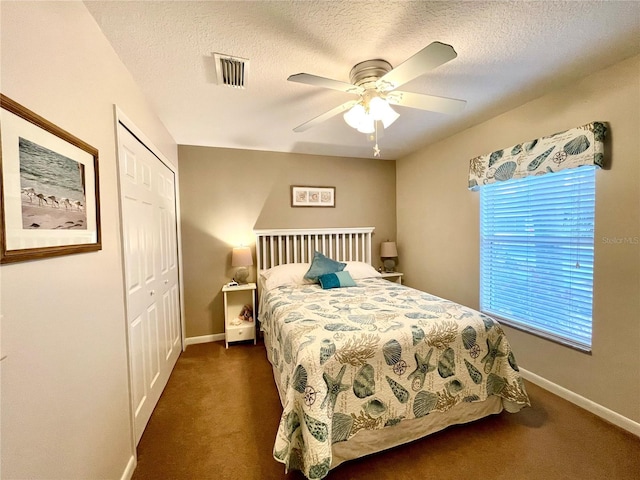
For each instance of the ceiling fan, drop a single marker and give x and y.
(375, 82)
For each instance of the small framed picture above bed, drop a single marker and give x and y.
(306, 196)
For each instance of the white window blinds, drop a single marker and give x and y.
(536, 259)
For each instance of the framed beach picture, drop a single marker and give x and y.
(302, 196)
(48, 188)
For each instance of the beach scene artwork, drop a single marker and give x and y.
(52, 189)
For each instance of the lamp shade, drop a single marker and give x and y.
(381, 110)
(389, 116)
(354, 116)
(388, 250)
(241, 257)
(367, 125)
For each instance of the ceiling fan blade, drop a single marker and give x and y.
(426, 102)
(323, 82)
(430, 57)
(325, 116)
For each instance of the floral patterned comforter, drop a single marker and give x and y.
(370, 356)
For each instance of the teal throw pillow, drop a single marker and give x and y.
(321, 265)
(336, 280)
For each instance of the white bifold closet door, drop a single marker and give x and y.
(151, 270)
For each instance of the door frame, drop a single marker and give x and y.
(121, 118)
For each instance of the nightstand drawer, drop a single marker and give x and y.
(242, 332)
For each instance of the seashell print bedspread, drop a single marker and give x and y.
(370, 356)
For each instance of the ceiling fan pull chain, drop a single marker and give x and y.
(376, 150)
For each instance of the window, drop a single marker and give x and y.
(536, 254)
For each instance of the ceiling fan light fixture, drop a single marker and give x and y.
(380, 109)
(362, 120)
(389, 115)
(355, 115)
(376, 108)
(367, 125)
(358, 118)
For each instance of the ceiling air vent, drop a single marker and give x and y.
(231, 71)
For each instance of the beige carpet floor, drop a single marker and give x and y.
(219, 413)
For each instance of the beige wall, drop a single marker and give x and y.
(438, 228)
(65, 399)
(226, 193)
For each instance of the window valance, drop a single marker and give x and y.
(569, 149)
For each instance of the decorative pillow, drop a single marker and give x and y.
(321, 265)
(361, 270)
(288, 273)
(336, 280)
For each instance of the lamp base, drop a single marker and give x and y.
(241, 276)
(389, 265)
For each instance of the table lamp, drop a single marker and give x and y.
(241, 258)
(388, 252)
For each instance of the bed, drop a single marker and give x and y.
(373, 364)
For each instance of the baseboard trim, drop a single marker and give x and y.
(216, 337)
(131, 466)
(595, 408)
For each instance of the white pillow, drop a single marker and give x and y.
(361, 270)
(288, 273)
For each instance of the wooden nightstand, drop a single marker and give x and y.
(393, 276)
(234, 299)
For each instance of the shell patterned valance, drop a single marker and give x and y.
(570, 149)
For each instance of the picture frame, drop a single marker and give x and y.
(49, 188)
(307, 196)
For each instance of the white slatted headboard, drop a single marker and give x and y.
(280, 246)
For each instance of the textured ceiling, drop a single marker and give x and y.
(508, 53)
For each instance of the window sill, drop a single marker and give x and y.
(541, 334)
